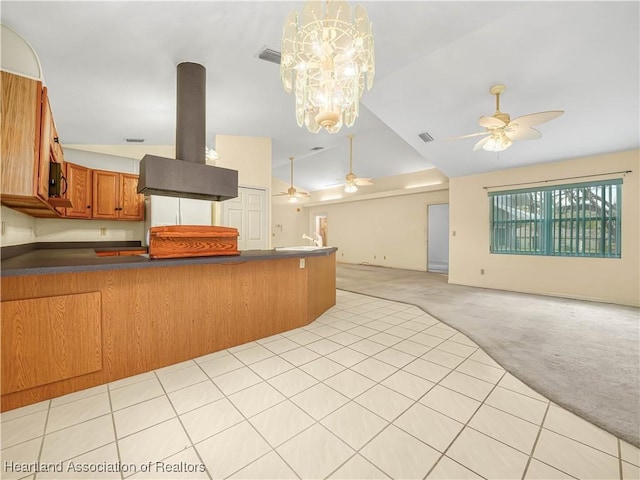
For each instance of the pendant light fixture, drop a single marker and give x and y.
(327, 60)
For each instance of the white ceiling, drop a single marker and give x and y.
(110, 69)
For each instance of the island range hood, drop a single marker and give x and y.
(188, 175)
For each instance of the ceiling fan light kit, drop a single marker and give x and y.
(502, 131)
(327, 61)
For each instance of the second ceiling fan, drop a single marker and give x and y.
(291, 192)
(354, 182)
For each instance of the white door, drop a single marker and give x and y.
(248, 213)
(438, 238)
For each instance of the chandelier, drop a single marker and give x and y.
(327, 59)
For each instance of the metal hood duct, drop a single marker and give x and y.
(188, 176)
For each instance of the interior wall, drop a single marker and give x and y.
(17, 228)
(402, 183)
(17, 55)
(600, 279)
(389, 231)
(251, 157)
(288, 220)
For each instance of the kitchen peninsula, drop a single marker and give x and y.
(72, 320)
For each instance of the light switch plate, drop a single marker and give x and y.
(302, 263)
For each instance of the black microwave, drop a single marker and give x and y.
(56, 180)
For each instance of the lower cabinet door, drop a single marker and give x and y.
(48, 339)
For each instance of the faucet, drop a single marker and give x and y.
(317, 242)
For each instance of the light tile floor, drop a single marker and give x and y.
(372, 389)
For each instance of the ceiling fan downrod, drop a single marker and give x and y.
(497, 90)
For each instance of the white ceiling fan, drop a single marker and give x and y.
(354, 182)
(291, 191)
(501, 131)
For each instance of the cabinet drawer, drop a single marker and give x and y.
(48, 339)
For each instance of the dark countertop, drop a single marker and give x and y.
(68, 260)
(120, 249)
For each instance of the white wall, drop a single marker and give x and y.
(17, 55)
(388, 231)
(250, 156)
(400, 184)
(102, 161)
(600, 279)
(17, 227)
(288, 220)
(384, 224)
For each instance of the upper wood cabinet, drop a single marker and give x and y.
(28, 147)
(27, 132)
(79, 189)
(47, 152)
(115, 196)
(131, 202)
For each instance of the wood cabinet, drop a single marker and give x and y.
(29, 144)
(150, 318)
(115, 196)
(79, 191)
(50, 339)
(131, 202)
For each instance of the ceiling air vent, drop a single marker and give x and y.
(426, 138)
(269, 55)
(134, 140)
(316, 148)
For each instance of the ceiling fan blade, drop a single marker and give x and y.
(481, 143)
(490, 122)
(302, 194)
(469, 135)
(534, 119)
(363, 182)
(522, 133)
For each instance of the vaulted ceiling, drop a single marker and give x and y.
(110, 69)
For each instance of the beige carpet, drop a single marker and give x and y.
(584, 356)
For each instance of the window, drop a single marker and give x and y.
(579, 220)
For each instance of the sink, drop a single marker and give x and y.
(301, 248)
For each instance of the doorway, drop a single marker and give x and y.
(248, 213)
(322, 228)
(438, 238)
